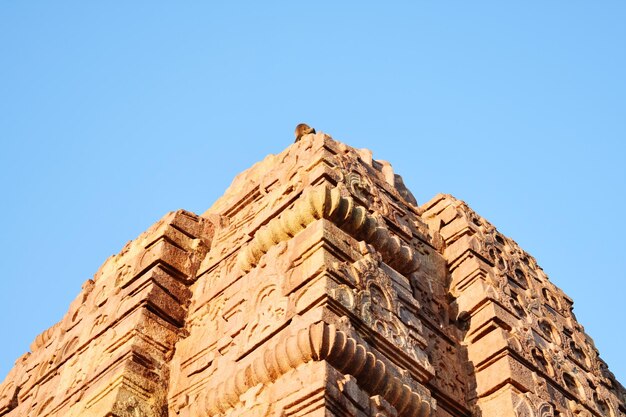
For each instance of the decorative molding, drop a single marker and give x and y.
(318, 342)
(354, 219)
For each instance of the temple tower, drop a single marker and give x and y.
(317, 286)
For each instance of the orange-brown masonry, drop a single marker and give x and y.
(317, 287)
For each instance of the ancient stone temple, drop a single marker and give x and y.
(317, 286)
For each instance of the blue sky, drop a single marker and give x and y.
(112, 114)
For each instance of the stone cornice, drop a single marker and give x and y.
(318, 342)
(325, 203)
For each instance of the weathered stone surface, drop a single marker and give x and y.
(317, 286)
(110, 354)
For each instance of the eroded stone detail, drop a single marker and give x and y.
(521, 333)
(315, 343)
(112, 348)
(324, 203)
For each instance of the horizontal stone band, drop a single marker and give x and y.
(318, 342)
(325, 203)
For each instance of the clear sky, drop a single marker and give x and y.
(112, 114)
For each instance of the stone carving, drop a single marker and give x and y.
(316, 343)
(329, 204)
(528, 405)
(541, 335)
(523, 408)
(127, 317)
(378, 304)
(269, 310)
